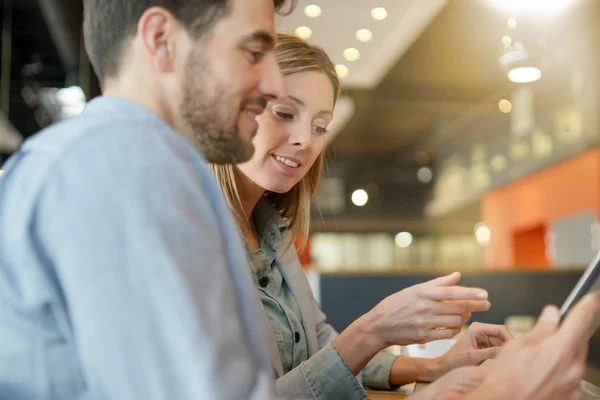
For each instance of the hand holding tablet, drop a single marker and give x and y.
(547, 363)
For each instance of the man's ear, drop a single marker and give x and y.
(158, 29)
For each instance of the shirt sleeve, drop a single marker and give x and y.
(324, 376)
(376, 374)
(140, 259)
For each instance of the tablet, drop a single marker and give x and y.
(589, 281)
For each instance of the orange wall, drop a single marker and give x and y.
(530, 248)
(303, 252)
(570, 187)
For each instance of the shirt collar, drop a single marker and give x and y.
(269, 223)
(120, 107)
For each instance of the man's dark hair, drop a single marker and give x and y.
(108, 24)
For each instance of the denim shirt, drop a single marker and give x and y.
(285, 317)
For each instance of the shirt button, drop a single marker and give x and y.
(263, 282)
(297, 337)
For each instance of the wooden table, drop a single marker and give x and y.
(385, 395)
(390, 395)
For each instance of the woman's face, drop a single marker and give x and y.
(291, 133)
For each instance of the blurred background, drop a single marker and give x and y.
(466, 139)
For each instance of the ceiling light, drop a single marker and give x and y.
(532, 6)
(425, 174)
(482, 234)
(524, 74)
(506, 40)
(351, 54)
(364, 35)
(62, 103)
(72, 94)
(379, 13)
(512, 23)
(498, 163)
(312, 11)
(1, 172)
(360, 198)
(303, 32)
(403, 240)
(341, 70)
(505, 106)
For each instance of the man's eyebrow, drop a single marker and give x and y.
(260, 36)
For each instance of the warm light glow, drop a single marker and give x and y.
(403, 240)
(303, 32)
(505, 106)
(421, 158)
(360, 197)
(72, 101)
(498, 163)
(482, 234)
(341, 70)
(524, 74)
(512, 23)
(532, 6)
(506, 40)
(1, 172)
(71, 94)
(364, 35)
(379, 13)
(425, 174)
(312, 11)
(351, 54)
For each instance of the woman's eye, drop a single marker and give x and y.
(284, 115)
(319, 130)
(256, 56)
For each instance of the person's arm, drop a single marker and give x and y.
(384, 370)
(362, 342)
(140, 257)
(421, 313)
(479, 343)
(412, 369)
(324, 376)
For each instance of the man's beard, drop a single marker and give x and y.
(211, 113)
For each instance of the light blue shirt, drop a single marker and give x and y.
(122, 274)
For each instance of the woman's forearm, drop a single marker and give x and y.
(356, 345)
(407, 370)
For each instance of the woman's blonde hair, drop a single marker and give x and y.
(293, 55)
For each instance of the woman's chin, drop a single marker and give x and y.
(279, 188)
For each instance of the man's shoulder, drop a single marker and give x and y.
(99, 140)
(74, 134)
(104, 154)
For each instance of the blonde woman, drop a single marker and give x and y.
(270, 198)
